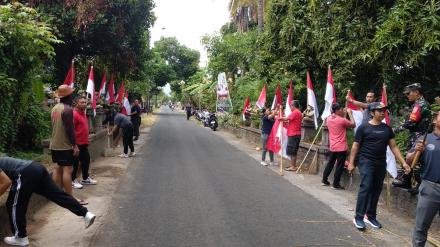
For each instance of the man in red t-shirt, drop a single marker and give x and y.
(337, 125)
(82, 139)
(294, 133)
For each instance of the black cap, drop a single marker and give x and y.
(412, 87)
(376, 106)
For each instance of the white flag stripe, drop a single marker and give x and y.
(282, 133)
(328, 101)
(311, 101)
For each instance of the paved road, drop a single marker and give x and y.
(188, 187)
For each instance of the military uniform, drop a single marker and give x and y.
(417, 124)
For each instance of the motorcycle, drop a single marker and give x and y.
(213, 124)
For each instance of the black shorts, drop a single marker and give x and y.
(293, 145)
(62, 157)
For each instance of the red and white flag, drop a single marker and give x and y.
(126, 108)
(110, 97)
(246, 106)
(91, 84)
(277, 139)
(103, 84)
(278, 98)
(391, 159)
(330, 95)
(311, 99)
(289, 100)
(261, 102)
(357, 112)
(119, 97)
(70, 77)
(95, 96)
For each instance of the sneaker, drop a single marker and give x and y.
(263, 163)
(273, 163)
(16, 241)
(132, 154)
(123, 155)
(372, 222)
(337, 187)
(89, 181)
(76, 184)
(89, 219)
(325, 183)
(359, 224)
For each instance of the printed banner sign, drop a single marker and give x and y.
(224, 103)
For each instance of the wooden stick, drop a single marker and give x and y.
(281, 144)
(388, 202)
(310, 148)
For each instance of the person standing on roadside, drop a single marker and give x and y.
(123, 122)
(294, 133)
(267, 122)
(371, 141)
(136, 118)
(369, 98)
(28, 177)
(63, 144)
(337, 125)
(82, 139)
(428, 204)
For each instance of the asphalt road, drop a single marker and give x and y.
(188, 187)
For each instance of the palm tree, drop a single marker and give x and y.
(243, 11)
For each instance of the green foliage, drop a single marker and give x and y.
(26, 41)
(229, 120)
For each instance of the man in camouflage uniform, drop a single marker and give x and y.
(417, 124)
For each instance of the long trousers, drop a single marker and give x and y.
(339, 158)
(127, 139)
(428, 206)
(372, 176)
(136, 124)
(84, 158)
(264, 149)
(35, 179)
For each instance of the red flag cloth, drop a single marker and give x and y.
(350, 105)
(126, 108)
(385, 102)
(278, 98)
(311, 99)
(91, 84)
(120, 93)
(357, 112)
(94, 103)
(110, 98)
(289, 100)
(261, 102)
(246, 106)
(273, 143)
(103, 83)
(70, 77)
(330, 95)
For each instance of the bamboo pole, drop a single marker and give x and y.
(310, 148)
(281, 144)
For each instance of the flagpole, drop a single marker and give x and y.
(310, 148)
(281, 144)
(388, 202)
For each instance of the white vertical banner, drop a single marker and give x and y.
(224, 103)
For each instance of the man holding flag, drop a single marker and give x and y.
(294, 121)
(267, 121)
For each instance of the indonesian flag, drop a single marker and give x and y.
(391, 159)
(126, 109)
(95, 96)
(311, 99)
(357, 112)
(261, 102)
(110, 98)
(278, 98)
(246, 106)
(70, 77)
(289, 100)
(91, 85)
(277, 139)
(120, 95)
(330, 95)
(103, 83)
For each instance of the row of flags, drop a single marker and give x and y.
(109, 94)
(279, 130)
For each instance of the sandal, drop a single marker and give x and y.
(82, 202)
(291, 169)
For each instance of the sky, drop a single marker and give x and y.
(189, 20)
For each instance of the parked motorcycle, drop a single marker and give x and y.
(213, 124)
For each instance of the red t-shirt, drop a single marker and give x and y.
(295, 120)
(81, 127)
(337, 126)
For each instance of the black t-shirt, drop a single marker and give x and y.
(373, 141)
(137, 109)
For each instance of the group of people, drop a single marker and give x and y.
(69, 149)
(368, 153)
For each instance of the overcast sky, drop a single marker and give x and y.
(189, 20)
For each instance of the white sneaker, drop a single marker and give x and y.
(89, 181)
(76, 184)
(263, 163)
(89, 219)
(273, 163)
(16, 241)
(132, 154)
(123, 155)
